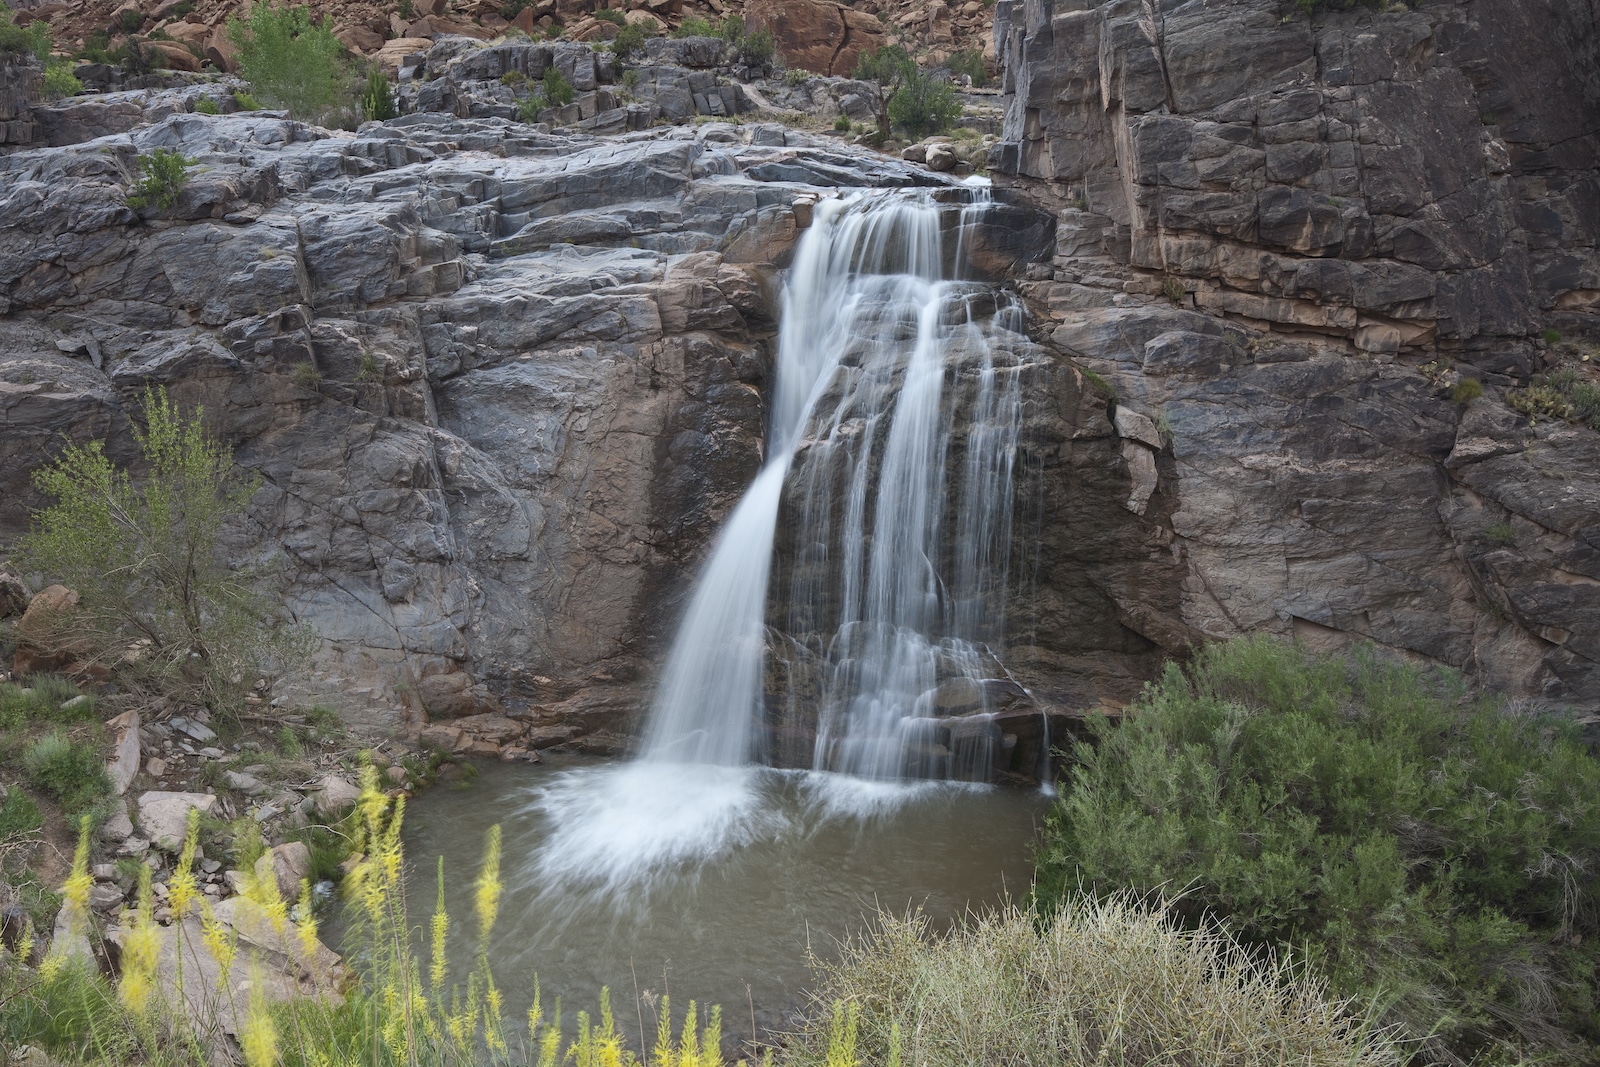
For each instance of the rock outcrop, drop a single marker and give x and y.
(500, 385)
(1282, 240)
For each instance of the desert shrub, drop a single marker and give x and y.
(288, 60)
(557, 89)
(886, 69)
(377, 99)
(629, 41)
(1500, 533)
(59, 80)
(32, 39)
(923, 104)
(245, 101)
(130, 20)
(796, 76)
(1564, 393)
(512, 8)
(757, 49)
(19, 816)
(163, 172)
(528, 107)
(1098, 982)
(144, 561)
(1432, 853)
(969, 62)
(67, 771)
(1466, 390)
(207, 106)
(731, 28)
(611, 15)
(695, 26)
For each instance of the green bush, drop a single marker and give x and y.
(130, 20)
(1434, 854)
(616, 18)
(19, 817)
(528, 107)
(695, 26)
(59, 80)
(757, 49)
(887, 69)
(629, 41)
(144, 561)
(207, 106)
(288, 60)
(245, 101)
(163, 172)
(33, 39)
(923, 104)
(1466, 390)
(1097, 982)
(557, 89)
(377, 99)
(968, 62)
(1565, 393)
(69, 772)
(731, 29)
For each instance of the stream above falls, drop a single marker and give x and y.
(710, 883)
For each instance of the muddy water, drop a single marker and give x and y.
(708, 883)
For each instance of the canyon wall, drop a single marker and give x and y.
(1285, 240)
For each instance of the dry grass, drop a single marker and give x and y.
(1113, 982)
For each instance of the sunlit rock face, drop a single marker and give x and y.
(1283, 240)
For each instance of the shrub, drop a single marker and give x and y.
(528, 107)
(886, 68)
(1551, 336)
(796, 76)
(1435, 857)
(1466, 390)
(59, 80)
(69, 772)
(695, 26)
(1564, 393)
(629, 41)
(970, 63)
(1500, 533)
(513, 79)
(19, 817)
(130, 20)
(207, 106)
(163, 172)
(512, 8)
(923, 104)
(757, 49)
(245, 101)
(286, 59)
(1096, 982)
(33, 39)
(377, 99)
(731, 28)
(144, 562)
(616, 18)
(557, 89)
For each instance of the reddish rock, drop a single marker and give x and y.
(359, 39)
(175, 55)
(524, 20)
(816, 35)
(41, 646)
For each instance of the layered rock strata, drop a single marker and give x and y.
(1284, 241)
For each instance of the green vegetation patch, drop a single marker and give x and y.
(32, 39)
(1431, 852)
(289, 60)
(1565, 393)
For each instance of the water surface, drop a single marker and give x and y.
(710, 883)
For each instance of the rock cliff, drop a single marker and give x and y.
(1283, 239)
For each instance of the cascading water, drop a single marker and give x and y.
(888, 484)
(897, 584)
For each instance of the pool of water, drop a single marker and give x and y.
(708, 883)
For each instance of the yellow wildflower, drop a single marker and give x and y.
(488, 895)
(258, 1036)
(141, 951)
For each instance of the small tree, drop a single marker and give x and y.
(155, 602)
(923, 104)
(291, 62)
(163, 172)
(886, 68)
(557, 90)
(629, 41)
(377, 100)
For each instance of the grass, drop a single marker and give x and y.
(1113, 981)
(69, 772)
(1432, 851)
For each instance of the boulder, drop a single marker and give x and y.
(941, 157)
(124, 765)
(164, 816)
(336, 795)
(42, 640)
(816, 35)
(288, 865)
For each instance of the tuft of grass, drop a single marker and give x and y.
(1432, 852)
(695, 26)
(1118, 980)
(1466, 391)
(68, 771)
(1501, 533)
(207, 106)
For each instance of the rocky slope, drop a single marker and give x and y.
(1283, 239)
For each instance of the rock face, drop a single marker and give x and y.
(20, 80)
(1281, 241)
(1397, 178)
(816, 35)
(500, 385)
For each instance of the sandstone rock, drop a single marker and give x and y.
(288, 865)
(336, 795)
(42, 643)
(164, 816)
(940, 157)
(816, 35)
(124, 765)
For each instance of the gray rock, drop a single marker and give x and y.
(164, 816)
(336, 795)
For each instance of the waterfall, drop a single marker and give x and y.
(891, 452)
